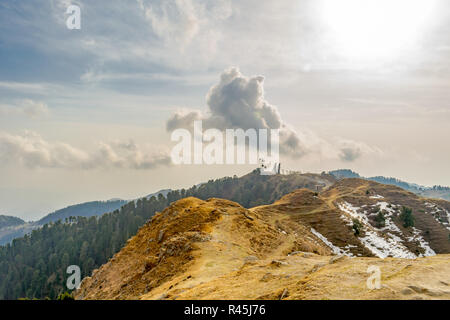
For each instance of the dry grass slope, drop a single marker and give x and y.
(216, 249)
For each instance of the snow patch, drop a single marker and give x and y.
(353, 212)
(382, 247)
(422, 243)
(436, 211)
(336, 250)
(389, 211)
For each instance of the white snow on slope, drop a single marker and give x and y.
(436, 211)
(353, 212)
(380, 246)
(335, 249)
(422, 243)
(388, 213)
(383, 248)
(448, 219)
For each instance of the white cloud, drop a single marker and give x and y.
(128, 155)
(238, 101)
(177, 20)
(188, 32)
(180, 21)
(350, 151)
(32, 151)
(23, 86)
(27, 107)
(183, 119)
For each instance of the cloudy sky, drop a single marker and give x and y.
(87, 114)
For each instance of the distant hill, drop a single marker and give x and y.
(163, 192)
(8, 234)
(344, 173)
(87, 209)
(13, 227)
(9, 221)
(437, 192)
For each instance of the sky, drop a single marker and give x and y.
(87, 114)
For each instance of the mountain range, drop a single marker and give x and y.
(321, 214)
(13, 227)
(11, 231)
(306, 245)
(8, 221)
(439, 192)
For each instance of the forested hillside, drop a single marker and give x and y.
(18, 228)
(35, 266)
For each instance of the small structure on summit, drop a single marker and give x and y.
(269, 168)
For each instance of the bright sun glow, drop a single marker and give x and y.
(375, 29)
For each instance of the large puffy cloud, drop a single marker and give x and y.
(182, 119)
(238, 101)
(32, 151)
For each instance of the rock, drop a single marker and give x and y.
(198, 236)
(417, 289)
(150, 263)
(278, 263)
(304, 254)
(174, 246)
(317, 267)
(308, 254)
(160, 235)
(163, 296)
(426, 291)
(250, 259)
(267, 277)
(335, 259)
(284, 294)
(247, 216)
(407, 291)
